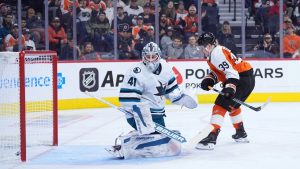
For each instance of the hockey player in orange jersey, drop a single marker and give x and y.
(238, 81)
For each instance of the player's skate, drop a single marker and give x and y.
(209, 142)
(116, 150)
(240, 136)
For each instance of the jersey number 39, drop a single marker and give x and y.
(224, 65)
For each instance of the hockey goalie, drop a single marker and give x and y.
(142, 94)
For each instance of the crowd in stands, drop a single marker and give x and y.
(178, 27)
(266, 16)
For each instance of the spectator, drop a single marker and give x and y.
(152, 7)
(126, 45)
(35, 24)
(29, 44)
(67, 22)
(11, 40)
(291, 42)
(99, 33)
(149, 18)
(267, 45)
(191, 22)
(166, 40)
(286, 21)
(84, 12)
(133, 9)
(164, 23)
(89, 53)
(97, 5)
(67, 51)
(123, 21)
(23, 23)
(3, 12)
(5, 29)
(212, 3)
(274, 17)
(193, 50)
(181, 13)
(175, 50)
(290, 7)
(226, 38)
(170, 11)
(274, 9)
(211, 19)
(54, 3)
(263, 3)
(139, 31)
(57, 35)
(262, 15)
(67, 6)
(149, 37)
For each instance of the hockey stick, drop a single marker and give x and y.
(159, 128)
(259, 108)
(201, 135)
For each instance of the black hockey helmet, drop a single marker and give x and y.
(207, 38)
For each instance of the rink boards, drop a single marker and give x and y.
(274, 78)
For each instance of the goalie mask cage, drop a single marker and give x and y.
(28, 103)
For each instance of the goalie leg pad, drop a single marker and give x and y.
(159, 119)
(143, 119)
(153, 145)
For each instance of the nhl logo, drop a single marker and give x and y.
(88, 79)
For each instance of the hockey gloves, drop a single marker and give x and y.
(230, 88)
(209, 80)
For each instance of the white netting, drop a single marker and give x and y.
(39, 103)
(39, 95)
(9, 106)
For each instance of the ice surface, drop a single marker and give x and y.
(83, 134)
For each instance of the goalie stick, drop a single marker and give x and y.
(159, 128)
(259, 108)
(200, 136)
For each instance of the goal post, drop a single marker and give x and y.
(28, 103)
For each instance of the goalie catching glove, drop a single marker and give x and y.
(186, 101)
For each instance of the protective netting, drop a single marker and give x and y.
(38, 101)
(9, 106)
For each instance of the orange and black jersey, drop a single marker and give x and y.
(226, 65)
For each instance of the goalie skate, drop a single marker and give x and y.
(116, 151)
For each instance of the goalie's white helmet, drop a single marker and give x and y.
(151, 55)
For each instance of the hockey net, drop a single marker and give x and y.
(28, 103)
